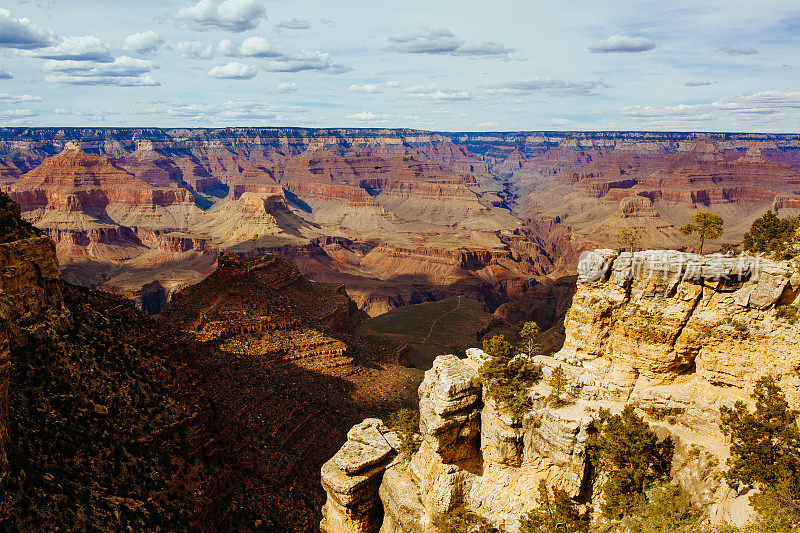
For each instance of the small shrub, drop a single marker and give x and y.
(556, 514)
(558, 382)
(506, 379)
(662, 413)
(740, 327)
(498, 346)
(529, 333)
(773, 235)
(462, 520)
(765, 444)
(787, 312)
(405, 423)
(668, 508)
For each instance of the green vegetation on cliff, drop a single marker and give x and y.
(507, 377)
(632, 458)
(774, 236)
(706, 226)
(556, 513)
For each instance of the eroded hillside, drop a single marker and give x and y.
(215, 417)
(397, 216)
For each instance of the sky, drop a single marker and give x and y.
(445, 65)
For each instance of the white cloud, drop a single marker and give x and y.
(558, 121)
(443, 41)
(546, 86)
(231, 112)
(282, 88)
(5, 97)
(234, 71)
(697, 83)
(305, 60)
(85, 48)
(226, 48)
(143, 42)
(368, 88)
(622, 44)
(758, 107)
(72, 112)
(365, 116)
(433, 92)
(731, 51)
(195, 50)
(22, 34)
(294, 24)
(123, 71)
(392, 84)
(16, 113)
(248, 109)
(232, 15)
(280, 59)
(259, 47)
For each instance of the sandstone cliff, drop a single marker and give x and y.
(677, 335)
(655, 318)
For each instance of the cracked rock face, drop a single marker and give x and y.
(352, 477)
(449, 399)
(653, 317)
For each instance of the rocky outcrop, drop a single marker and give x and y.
(448, 406)
(658, 317)
(28, 289)
(677, 335)
(636, 206)
(352, 477)
(472, 453)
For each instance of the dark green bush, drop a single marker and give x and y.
(630, 454)
(555, 514)
(787, 312)
(668, 509)
(506, 379)
(405, 423)
(765, 444)
(462, 520)
(773, 235)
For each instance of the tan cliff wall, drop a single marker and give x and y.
(656, 318)
(472, 453)
(676, 335)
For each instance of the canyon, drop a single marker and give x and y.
(217, 415)
(304, 280)
(398, 216)
(678, 336)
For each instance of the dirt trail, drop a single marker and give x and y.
(433, 325)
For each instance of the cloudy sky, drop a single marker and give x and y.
(457, 65)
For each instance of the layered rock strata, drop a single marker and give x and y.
(472, 453)
(655, 318)
(677, 335)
